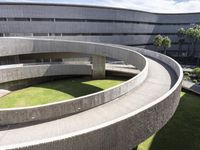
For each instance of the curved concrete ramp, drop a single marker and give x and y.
(120, 124)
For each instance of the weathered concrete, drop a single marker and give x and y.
(126, 114)
(94, 24)
(190, 86)
(98, 64)
(16, 72)
(123, 123)
(65, 108)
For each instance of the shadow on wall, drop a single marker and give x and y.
(183, 130)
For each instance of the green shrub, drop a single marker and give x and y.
(186, 78)
(186, 74)
(197, 72)
(194, 81)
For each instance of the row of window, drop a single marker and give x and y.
(151, 44)
(91, 20)
(80, 34)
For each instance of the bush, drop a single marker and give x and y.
(197, 72)
(194, 81)
(186, 74)
(187, 78)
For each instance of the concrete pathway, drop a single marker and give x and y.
(4, 92)
(160, 79)
(191, 87)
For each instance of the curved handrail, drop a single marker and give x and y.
(65, 108)
(171, 99)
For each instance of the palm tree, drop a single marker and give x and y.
(189, 34)
(193, 35)
(158, 41)
(166, 43)
(196, 37)
(181, 35)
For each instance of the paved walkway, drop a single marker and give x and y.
(191, 86)
(3, 92)
(160, 79)
(129, 69)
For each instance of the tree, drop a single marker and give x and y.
(166, 43)
(196, 38)
(193, 34)
(181, 35)
(158, 41)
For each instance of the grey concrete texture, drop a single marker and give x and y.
(116, 22)
(99, 65)
(190, 86)
(16, 46)
(16, 72)
(90, 12)
(123, 123)
(85, 27)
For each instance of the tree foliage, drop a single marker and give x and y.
(166, 43)
(193, 36)
(181, 32)
(197, 72)
(158, 41)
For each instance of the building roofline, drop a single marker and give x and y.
(91, 6)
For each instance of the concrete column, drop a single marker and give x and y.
(99, 63)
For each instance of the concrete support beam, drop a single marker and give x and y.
(98, 67)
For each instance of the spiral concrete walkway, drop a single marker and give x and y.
(120, 124)
(159, 81)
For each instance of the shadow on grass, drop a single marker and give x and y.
(183, 130)
(77, 87)
(74, 87)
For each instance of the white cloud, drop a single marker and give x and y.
(162, 6)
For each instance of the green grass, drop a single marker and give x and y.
(182, 132)
(56, 91)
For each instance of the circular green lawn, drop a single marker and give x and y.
(56, 91)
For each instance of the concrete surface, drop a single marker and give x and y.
(160, 80)
(116, 125)
(193, 87)
(96, 24)
(65, 108)
(98, 67)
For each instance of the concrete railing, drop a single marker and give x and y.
(128, 130)
(16, 72)
(17, 46)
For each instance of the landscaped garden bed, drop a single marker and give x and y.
(192, 75)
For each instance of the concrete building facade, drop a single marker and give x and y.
(118, 118)
(95, 24)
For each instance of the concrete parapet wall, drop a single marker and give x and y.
(126, 131)
(10, 73)
(64, 108)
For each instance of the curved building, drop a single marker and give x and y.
(96, 24)
(114, 119)
(118, 118)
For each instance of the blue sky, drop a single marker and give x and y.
(163, 6)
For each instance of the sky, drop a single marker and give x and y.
(160, 6)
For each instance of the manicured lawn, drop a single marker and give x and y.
(56, 91)
(183, 130)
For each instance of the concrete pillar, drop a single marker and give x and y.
(99, 63)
